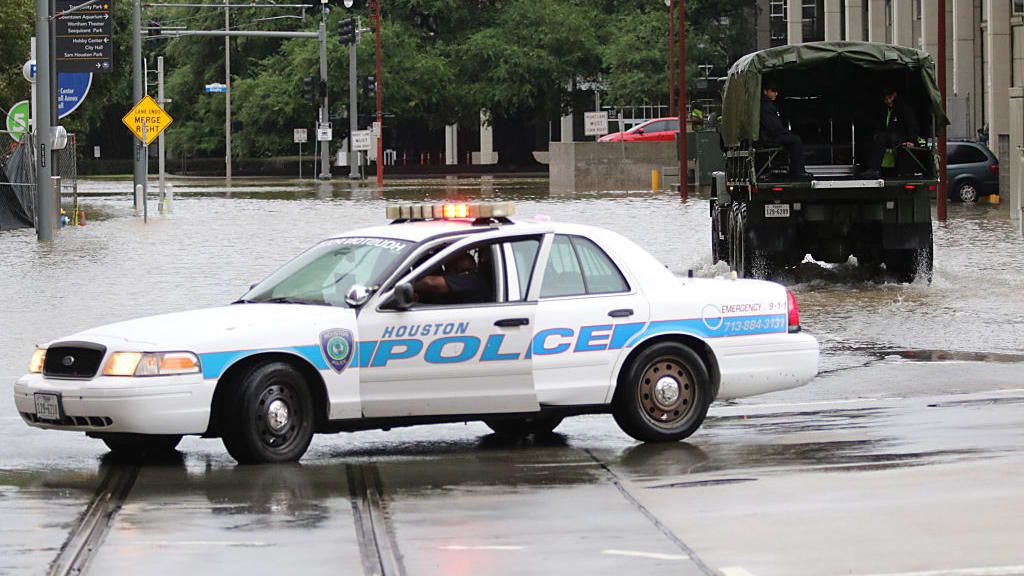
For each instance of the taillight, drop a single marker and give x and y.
(994, 169)
(794, 312)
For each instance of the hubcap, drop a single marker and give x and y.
(277, 415)
(667, 393)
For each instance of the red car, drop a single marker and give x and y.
(658, 129)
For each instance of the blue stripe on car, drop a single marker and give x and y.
(214, 363)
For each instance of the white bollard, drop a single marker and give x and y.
(138, 199)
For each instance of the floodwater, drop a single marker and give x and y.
(889, 411)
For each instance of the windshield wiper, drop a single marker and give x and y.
(279, 300)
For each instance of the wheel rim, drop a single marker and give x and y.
(278, 417)
(968, 193)
(667, 393)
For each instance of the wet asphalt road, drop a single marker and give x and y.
(903, 457)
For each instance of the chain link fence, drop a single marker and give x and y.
(18, 179)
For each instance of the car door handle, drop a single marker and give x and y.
(509, 322)
(621, 313)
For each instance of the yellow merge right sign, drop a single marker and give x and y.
(149, 114)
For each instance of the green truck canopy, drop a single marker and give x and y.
(848, 75)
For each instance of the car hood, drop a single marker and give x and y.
(235, 327)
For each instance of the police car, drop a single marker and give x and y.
(449, 313)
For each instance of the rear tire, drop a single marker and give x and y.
(141, 445)
(719, 245)
(663, 395)
(269, 416)
(540, 425)
(967, 192)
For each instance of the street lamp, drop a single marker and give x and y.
(683, 170)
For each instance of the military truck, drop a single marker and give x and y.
(762, 221)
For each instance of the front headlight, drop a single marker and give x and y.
(151, 364)
(35, 365)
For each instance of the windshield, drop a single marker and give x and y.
(324, 273)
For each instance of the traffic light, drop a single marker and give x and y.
(347, 31)
(308, 89)
(370, 86)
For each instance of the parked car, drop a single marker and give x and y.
(973, 171)
(658, 129)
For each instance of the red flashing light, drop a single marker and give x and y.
(994, 168)
(794, 312)
(910, 187)
(931, 187)
(778, 189)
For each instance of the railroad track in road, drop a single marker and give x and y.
(87, 535)
(378, 547)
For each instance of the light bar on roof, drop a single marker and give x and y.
(451, 211)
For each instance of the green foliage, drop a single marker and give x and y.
(18, 26)
(443, 62)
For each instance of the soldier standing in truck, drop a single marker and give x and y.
(898, 128)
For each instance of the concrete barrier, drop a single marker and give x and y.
(587, 166)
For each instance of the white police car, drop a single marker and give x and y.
(450, 313)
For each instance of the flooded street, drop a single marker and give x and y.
(909, 444)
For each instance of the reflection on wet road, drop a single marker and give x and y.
(907, 447)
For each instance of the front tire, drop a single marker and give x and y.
(541, 425)
(269, 417)
(664, 394)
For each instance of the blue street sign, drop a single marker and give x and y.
(216, 88)
(72, 88)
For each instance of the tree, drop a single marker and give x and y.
(15, 34)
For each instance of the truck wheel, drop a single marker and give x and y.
(737, 245)
(270, 416)
(518, 427)
(663, 395)
(907, 265)
(747, 262)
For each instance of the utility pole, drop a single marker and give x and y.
(46, 209)
(139, 166)
(165, 198)
(940, 199)
(684, 176)
(380, 96)
(325, 147)
(227, 93)
(353, 107)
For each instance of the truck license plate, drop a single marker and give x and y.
(776, 210)
(48, 406)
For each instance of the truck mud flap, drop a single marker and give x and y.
(773, 238)
(906, 236)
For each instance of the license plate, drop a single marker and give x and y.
(48, 406)
(776, 210)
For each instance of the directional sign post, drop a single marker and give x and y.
(595, 123)
(147, 120)
(72, 88)
(17, 119)
(300, 136)
(84, 37)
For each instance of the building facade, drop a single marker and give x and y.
(984, 50)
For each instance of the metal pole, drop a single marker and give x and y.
(46, 210)
(300, 160)
(940, 190)
(671, 58)
(165, 201)
(353, 109)
(683, 172)
(325, 147)
(380, 101)
(145, 150)
(227, 94)
(139, 165)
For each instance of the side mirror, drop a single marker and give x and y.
(403, 296)
(357, 295)
(639, 130)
